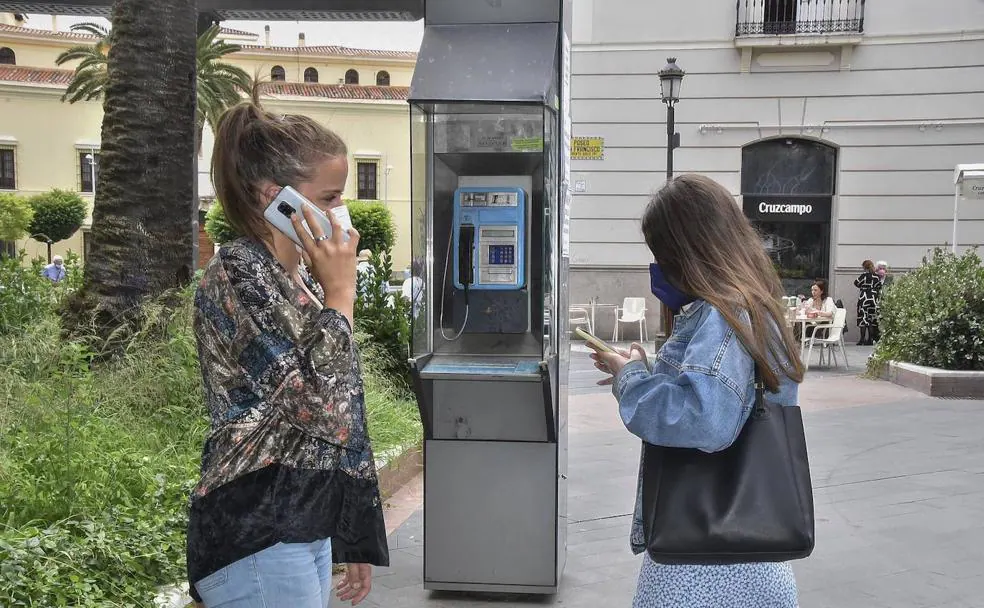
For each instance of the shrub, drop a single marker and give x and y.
(97, 460)
(217, 226)
(25, 295)
(934, 316)
(57, 214)
(15, 217)
(384, 318)
(375, 225)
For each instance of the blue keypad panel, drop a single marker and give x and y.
(502, 254)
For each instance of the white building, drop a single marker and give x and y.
(858, 110)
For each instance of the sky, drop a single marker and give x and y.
(390, 36)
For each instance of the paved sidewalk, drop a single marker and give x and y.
(899, 485)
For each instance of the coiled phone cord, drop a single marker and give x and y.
(447, 265)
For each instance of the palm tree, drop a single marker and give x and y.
(90, 74)
(220, 85)
(142, 240)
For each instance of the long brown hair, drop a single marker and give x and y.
(253, 146)
(707, 248)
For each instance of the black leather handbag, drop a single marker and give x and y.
(752, 502)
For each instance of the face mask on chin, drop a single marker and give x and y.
(667, 293)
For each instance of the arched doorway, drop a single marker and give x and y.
(787, 187)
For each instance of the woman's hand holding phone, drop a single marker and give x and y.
(612, 362)
(332, 260)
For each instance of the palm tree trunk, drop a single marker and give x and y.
(142, 241)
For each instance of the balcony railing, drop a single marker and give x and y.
(809, 17)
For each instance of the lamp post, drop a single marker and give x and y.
(670, 79)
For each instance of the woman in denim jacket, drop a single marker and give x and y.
(712, 270)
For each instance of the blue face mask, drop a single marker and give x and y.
(667, 294)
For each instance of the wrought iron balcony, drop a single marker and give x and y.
(804, 17)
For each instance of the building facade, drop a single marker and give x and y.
(836, 124)
(361, 94)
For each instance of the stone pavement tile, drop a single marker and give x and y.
(899, 489)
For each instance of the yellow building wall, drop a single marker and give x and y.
(330, 71)
(49, 136)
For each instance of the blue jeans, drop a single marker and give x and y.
(295, 575)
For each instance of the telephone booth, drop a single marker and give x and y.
(490, 350)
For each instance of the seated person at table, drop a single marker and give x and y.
(819, 306)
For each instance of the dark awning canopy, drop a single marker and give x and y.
(261, 10)
(487, 63)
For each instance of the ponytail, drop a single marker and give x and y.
(253, 148)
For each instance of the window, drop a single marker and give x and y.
(367, 180)
(8, 172)
(780, 16)
(383, 79)
(311, 75)
(89, 170)
(7, 56)
(351, 77)
(278, 74)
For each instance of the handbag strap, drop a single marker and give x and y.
(759, 391)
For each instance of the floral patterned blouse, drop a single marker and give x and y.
(288, 458)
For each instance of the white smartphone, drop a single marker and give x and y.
(289, 201)
(593, 340)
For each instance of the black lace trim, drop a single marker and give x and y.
(281, 504)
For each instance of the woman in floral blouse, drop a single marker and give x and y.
(288, 482)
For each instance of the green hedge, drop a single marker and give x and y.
(217, 226)
(375, 225)
(934, 316)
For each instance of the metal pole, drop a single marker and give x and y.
(666, 315)
(670, 130)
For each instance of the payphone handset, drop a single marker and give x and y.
(489, 238)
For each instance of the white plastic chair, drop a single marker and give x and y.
(580, 316)
(835, 338)
(633, 310)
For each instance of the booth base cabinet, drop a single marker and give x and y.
(490, 522)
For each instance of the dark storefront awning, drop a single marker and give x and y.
(487, 63)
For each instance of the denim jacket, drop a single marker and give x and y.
(698, 394)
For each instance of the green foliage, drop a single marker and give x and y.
(15, 217)
(375, 225)
(934, 316)
(384, 318)
(57, 214)
(26, 296)
(97, 460)
(217, 225)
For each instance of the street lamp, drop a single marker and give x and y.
(670, 79)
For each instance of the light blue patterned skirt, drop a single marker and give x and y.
(765, 585)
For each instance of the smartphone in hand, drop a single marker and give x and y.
(594, 341)
(289, 201)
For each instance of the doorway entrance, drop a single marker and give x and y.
(787, 186)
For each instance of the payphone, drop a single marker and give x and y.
(497, 218)
(489, 350)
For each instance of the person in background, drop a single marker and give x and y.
(55, 271)
(413, 288)
(881, 271)
(818, 306)
(869, 288)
